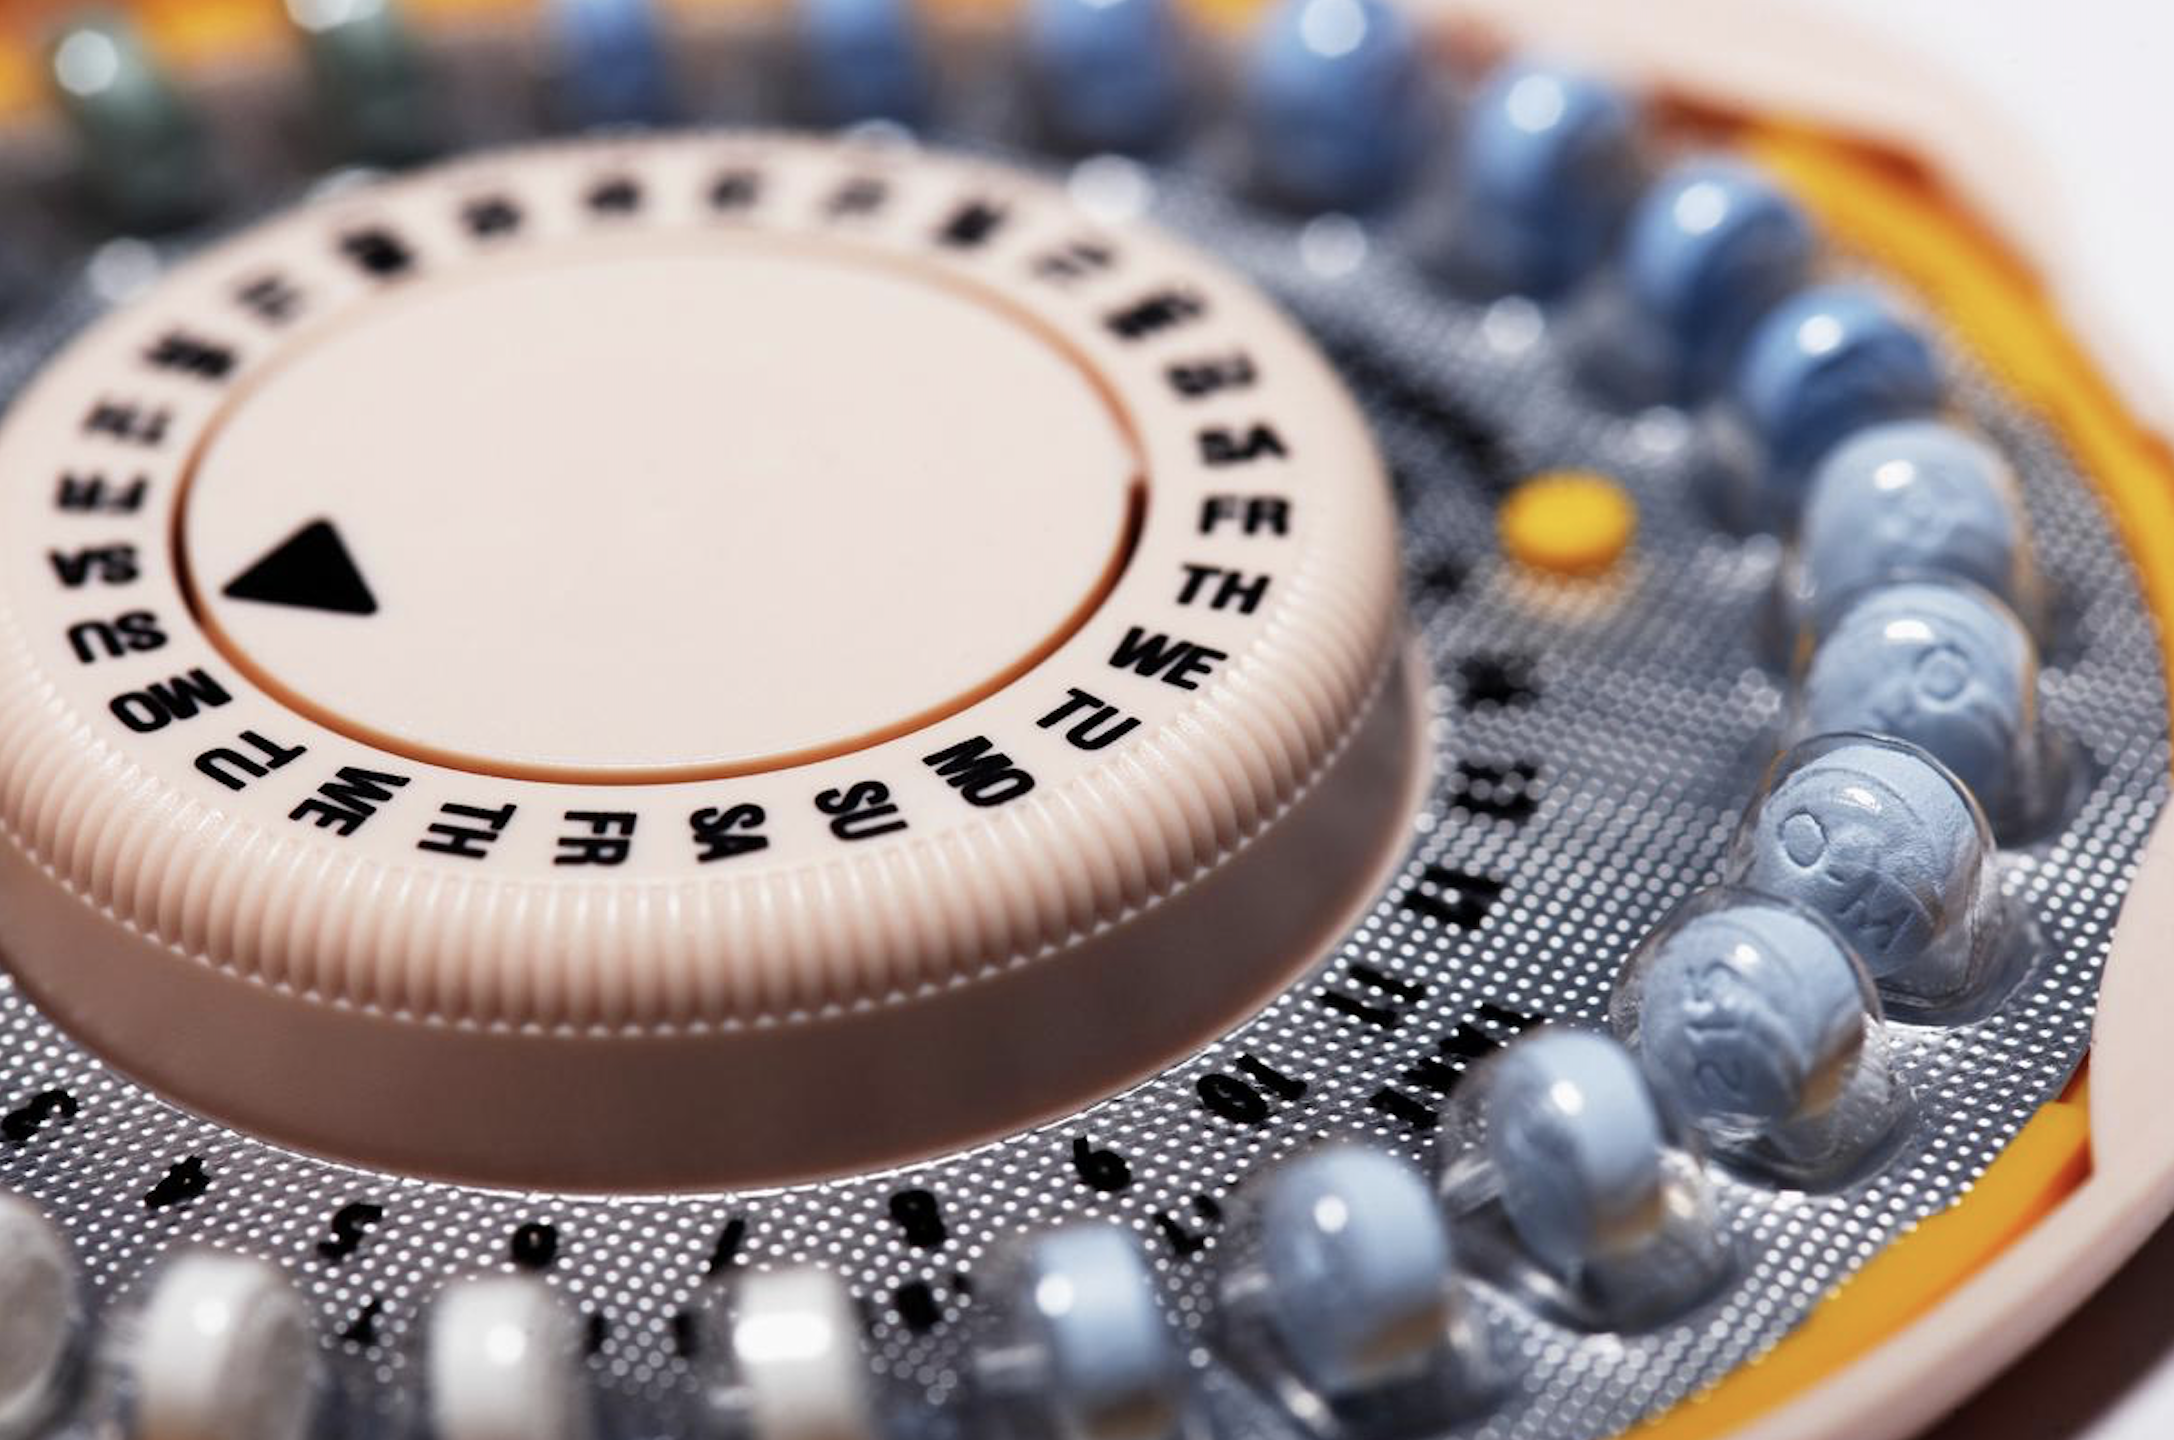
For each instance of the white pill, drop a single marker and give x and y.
(38, 1312)
(796, 1343)
(223, 1353)
(503, 1363)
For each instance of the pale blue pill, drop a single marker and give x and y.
(1914, 497)
(1577, 1147)
(863, 59)
(1335, 102)
(1876, 840)
(612, 56)
(1750, 1014)
(1106, 72)
(1357, 1262)
(1711, 247)
(1948, 669)
(142, 150)
(1825, 362)
(1547, 168)
(1114, 1369)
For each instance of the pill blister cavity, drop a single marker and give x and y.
(1577, 1187)
(1877, 838)
(1756, 1022)
(1343, 1297)
(1072, 1343)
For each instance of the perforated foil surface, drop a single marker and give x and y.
(1596, 744)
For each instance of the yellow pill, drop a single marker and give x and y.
(1567, 522)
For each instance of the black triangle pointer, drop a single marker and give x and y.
(311, 569)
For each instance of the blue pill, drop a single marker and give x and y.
(1577, 1146)
(1114, 1369)
(1750, 1014)
(1827, 361)
(1357, 1263)
(1948, 669)
(1877, 841)
(1106, 72)
(863, 59)
(1911, 498)
(1547, 167)
(1335, 102)
(613, 59)
(1710, 248)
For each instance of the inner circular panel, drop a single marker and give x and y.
(761, 504)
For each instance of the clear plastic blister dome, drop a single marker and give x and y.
(42, 1330)
(215, 1344)
(1876, 837)
(1757, 1024)
(1575, 1189)
(1071, 1342)
(1948, 668)
(1342, 1298)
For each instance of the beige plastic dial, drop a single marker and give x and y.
(681, 662)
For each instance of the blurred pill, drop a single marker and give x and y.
(612, 62)
(39, 1311)
(1106, 72)
(223, 1351)
(796, 1353)
(1547, 167)
(1335, 102)
(1709, 249)
(1908, 499)
(143, 153)
(1357, 1260)
(504, 1363)
(863, 60)
(1577, 1145)
(1825, 362)
(373, 87)
(1110, 1367)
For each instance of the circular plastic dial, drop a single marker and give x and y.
(686, 661)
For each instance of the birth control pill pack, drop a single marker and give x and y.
(1595, 745)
